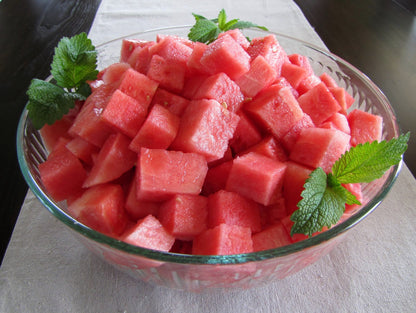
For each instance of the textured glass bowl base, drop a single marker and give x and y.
(197, 273)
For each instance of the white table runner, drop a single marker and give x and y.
(45, 269)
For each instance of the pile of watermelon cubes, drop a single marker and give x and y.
(200, 149)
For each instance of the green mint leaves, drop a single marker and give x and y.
(206, 31)
(324, 197)
(74, 63)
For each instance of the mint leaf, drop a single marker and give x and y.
(74, 62)
(324, 197)
(47, 102)
(243, 25)
(367, 162)
(222, 19)
(322, 204)
(207, 30)
(203, 31)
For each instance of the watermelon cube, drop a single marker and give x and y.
(273, 213)
(172, 49)
(82, 149)
(205, 128)
(184, 216)
(102, 208)
(226, 207)
(127, 48)
(256, 177)
(149, 233)
(221, 88)
(138, 86)
(192, 84)
(217, 177)
(319, 103)
(293, 182)
(272, 237)
(124, 113)
(269, 147)
(114, 159)
(226, 55)
(137, 209)
(170, 75)
(223, 240)
(307, 84)
(337, 121)
(158, 130)
(302, 61)
(246, 134)
(294, 74)
(319, 147)
(345, 100)
(328, 80)
(292, 135)
(238, 36)
(52, 133)
(173, 102)
(62, 174)
(364, 127)
(194, 61)
(114, 72)
(88, 124)
(270, 49)
(163, 173)
(275, 109)
(260, 75)
(140, 58)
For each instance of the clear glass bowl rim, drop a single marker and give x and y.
(333, 232)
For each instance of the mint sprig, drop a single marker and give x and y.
(74, 63)
(207, 30)
(324, 198)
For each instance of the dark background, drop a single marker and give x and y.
(377, 36)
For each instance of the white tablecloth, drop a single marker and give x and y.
(45, 269)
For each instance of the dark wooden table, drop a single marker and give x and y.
(379, 37)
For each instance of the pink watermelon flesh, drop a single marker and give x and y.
(101, 208)
(158, 130)
(223, 240)
(275, 104)
(88, 124)
(217, 177)
(226, 55)
(149, 233)
(270, 49)
(225, 207)
(184, 216)
(260, 75)
(256, 177)
(221, 88)
(137, 209)
(294, 180)
(270, 238)
(320, 147)
(205, 128)
(124, 113)
(162, 173)
(319, 103)
(114, 159)
(62, 174)
(168, 74)
(364, 127)
(173, 102)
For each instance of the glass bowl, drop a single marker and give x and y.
(197, 273)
